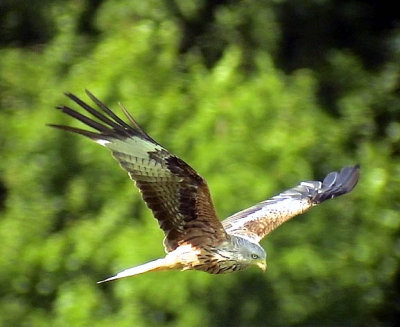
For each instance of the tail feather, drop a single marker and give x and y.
(155, 265)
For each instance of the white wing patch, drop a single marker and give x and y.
(102, 142)
(133, 146)
(134, 155)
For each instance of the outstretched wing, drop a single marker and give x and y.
(177, 195)
(256, 222)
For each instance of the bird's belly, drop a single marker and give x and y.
(216, 266)
(203, 259)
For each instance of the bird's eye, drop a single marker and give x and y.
(254, 256)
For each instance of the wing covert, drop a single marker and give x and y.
(177, 195)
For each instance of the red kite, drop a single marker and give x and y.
(195, 239)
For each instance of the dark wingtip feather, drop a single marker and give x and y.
(338, 183)
(89, 134)
(110, 125)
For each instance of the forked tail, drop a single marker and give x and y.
(155, 265)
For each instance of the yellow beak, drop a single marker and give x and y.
(262, 265)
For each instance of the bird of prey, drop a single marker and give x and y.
(195, 239)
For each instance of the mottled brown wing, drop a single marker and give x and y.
(177, 195)
(256, 222)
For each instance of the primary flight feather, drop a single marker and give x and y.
(195, 239)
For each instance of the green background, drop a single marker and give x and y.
(256, 96)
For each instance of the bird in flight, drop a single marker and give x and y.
(195, 239)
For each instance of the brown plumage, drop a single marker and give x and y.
(195, 239)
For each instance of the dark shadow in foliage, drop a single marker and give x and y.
(25, 23)
(362, 28)
(3, 195)
(86, 20)
(156, 314)
(335, 24)
(251, 292)
(200, 30)
(389, 309)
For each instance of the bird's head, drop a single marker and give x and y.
(252, 254)
(258, 257)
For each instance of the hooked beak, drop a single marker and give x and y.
(262, 265)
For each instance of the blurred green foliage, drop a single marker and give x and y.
(256, 96)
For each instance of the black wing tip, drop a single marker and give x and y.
(349, 175)
(108, 124)
(71, 96)
(92, 135)
(338, 183)
(61, 107)
(92, 96)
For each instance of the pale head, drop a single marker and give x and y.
(249, 253)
